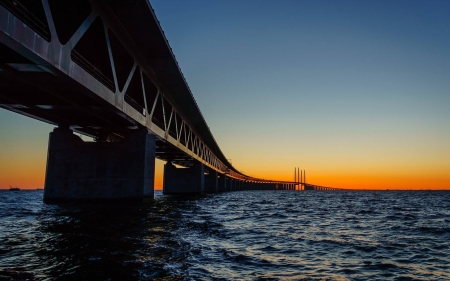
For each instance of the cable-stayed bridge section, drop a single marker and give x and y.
(104, 68)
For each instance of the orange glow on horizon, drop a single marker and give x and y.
(28, 173)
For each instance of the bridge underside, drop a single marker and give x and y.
(33, 90)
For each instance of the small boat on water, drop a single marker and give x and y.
(14, 188)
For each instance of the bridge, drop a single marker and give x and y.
(318, 187)
(104, 68)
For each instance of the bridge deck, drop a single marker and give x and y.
(103, 68)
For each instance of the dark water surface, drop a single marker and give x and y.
(248, 235)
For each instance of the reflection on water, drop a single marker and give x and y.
(249, 235)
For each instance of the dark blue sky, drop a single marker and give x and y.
(360, 86)
(355, 57)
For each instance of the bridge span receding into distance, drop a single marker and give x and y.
(104, 68)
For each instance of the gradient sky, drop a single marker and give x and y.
(355, 92)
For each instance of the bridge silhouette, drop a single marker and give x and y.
(104, 68)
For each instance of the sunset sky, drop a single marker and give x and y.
(355, 92)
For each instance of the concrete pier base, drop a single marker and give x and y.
(78, 170)
(229, 183)
(211, 182)
(222, 183)
(184, 180)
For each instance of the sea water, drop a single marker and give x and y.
(244, 235)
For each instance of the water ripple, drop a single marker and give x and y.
(251, 235)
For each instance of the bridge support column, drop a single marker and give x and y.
(211, 182)
(78, 170)
(227, 182)
(222, 183)
(179, 181)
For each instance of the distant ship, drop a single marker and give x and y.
(14, 188)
